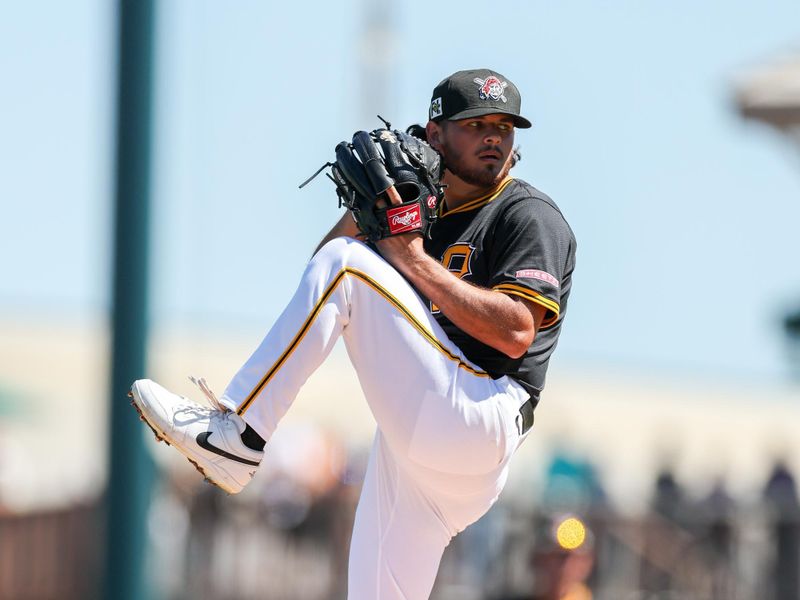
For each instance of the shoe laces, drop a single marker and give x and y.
(209, 394)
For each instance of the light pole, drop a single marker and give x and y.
(131, 469)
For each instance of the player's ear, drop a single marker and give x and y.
(434, 133)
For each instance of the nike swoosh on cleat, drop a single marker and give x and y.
(202, 441)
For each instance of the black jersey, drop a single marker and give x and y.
(514, 240)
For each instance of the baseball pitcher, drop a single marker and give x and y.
(448, 280)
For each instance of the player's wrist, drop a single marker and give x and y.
(405, 252)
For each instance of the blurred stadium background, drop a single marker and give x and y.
(665, 452)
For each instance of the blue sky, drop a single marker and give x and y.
(685, 214)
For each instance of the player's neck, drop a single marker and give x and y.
(459, 192)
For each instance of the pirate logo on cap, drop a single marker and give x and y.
(491, 87)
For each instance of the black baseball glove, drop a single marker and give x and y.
(389, 180)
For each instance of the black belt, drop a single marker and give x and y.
(525, 417)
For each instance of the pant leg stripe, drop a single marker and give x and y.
(415, 322)
(318, 307)
(294, 343)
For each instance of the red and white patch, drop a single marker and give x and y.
(403, 219)
(431, 202)
(536, 274)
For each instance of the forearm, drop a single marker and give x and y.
(493, 318)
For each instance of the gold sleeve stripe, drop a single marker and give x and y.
(517, 290)
(472, 204)
(549, 322)
(366, 279)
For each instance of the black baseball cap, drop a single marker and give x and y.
(475, 93)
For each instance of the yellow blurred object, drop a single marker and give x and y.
(571, 533)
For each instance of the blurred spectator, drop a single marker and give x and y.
(716, 541)
(571, 484)
(662, 543)
(562, 560)
(668, 497)
(780, 494)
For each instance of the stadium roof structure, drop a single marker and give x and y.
(771, 93)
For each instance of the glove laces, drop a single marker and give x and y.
(213, 401)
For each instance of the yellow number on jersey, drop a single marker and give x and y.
(456, 259)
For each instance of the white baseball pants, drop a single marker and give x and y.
(446, 429)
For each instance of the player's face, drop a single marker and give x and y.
(478, 150)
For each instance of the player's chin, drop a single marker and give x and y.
(483, 176)
(494, 174)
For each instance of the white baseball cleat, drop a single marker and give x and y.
(209, 437)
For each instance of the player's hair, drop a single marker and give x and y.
(418, 131)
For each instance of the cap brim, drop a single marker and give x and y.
(519, 122)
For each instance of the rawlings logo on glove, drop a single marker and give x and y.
(403, 219)
(389, 181)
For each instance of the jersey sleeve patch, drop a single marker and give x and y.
(537, 274)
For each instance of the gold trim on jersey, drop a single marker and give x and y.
(478, 202)
(363, 277)
(522, 292)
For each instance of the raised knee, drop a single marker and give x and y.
(344, 251)
(336, 246)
